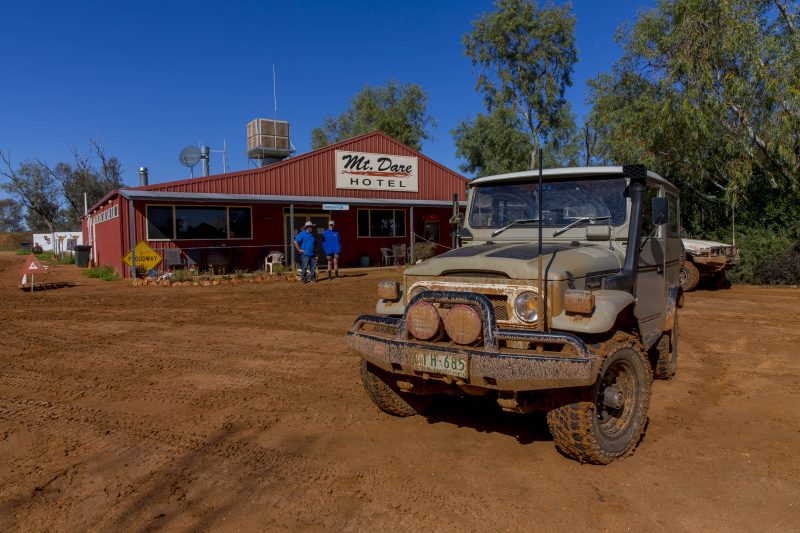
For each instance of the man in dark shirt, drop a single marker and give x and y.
(332, 243)
(304, 243)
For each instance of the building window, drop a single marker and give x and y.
(201, 222)
(381, 223)
(159, 222)
(182, 222)
(239, 222)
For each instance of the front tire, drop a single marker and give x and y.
(387, 397)
(690, 276)
(605, 421)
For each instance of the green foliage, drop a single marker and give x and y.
(84, 175)
(398, 110)
(492, 144)
(10, 216)
(53, 196)
(182, 274)
(36, 189)
(767, 257)
(50, 257)
(279, 269)
(240, 273)
(527, 55)
(13, 241)
(105, 273)
(706, 95)
(424, 250)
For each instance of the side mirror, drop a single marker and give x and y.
(660, 211)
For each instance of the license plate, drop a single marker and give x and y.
(441, 363)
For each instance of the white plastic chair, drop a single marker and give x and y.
(274, 258)
(387, 256)
(399, 252)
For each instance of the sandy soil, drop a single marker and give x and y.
(240, 408)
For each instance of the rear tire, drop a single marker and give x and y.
(604, 422)
(690, 276)
(719, 281)
(387, 397)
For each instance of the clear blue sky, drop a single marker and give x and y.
(148, 78)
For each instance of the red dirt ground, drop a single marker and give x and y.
(240, 408)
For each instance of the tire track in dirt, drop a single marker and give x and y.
(240, 408)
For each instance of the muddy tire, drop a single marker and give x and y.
(719, 281)
(387, 397)
(667, 362)
(604, 422)
(690, 276)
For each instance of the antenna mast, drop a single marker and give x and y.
(274, 93)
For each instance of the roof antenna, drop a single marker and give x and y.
(274, 99)
(542, 307)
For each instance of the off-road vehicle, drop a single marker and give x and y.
(576, 324)
(706, 259)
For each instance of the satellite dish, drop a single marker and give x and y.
(190, 156)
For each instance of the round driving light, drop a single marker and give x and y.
(423, 321)
(463, 324)
(525, 307)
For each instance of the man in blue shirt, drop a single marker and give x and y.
(304, 243)
(332, 244)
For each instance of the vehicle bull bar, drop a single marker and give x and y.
(386, 343)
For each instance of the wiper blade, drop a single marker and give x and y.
(577, 222)
(497, 232)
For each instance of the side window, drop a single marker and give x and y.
(647, 219)
(674, 217)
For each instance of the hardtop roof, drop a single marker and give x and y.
(552, 174)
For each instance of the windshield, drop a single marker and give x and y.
(495, 206)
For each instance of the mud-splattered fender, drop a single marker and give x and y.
(607, 305)
(674, 302)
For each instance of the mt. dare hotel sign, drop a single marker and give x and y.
(376, 172)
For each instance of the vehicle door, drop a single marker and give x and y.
(651, 279)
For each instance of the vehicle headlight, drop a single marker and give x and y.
(525, 307)
(389, 290)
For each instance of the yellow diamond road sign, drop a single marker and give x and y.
(146, 257)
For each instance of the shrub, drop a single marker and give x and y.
(767, 257)
(182, 275)
(105, 273)
(424, 250)
(279, 269)
(13, 241)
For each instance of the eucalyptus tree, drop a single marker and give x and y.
(526, 55)
(706, 92)
(398, 109)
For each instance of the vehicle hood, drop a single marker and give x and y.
(520, 260)
(697, 245)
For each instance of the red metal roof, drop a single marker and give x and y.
(313, 174)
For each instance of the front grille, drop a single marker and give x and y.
(500, 304)
(471, 274)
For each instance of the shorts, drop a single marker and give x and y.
(333, 256)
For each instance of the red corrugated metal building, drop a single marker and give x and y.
(381, 193)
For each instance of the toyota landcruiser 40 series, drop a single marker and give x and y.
(576, 323)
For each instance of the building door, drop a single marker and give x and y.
(320, 221)
(430, 231)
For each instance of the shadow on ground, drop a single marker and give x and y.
(485, 416)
